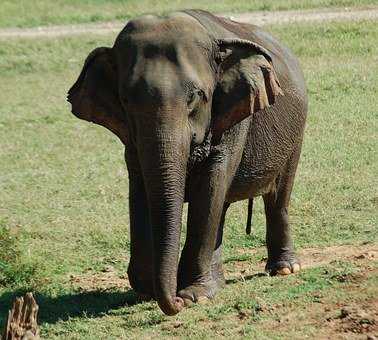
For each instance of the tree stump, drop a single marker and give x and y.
(22, 320)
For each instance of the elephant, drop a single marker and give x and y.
(210, 111)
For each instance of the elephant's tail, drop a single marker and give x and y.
(249, 217)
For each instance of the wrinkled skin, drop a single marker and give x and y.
(211, 112)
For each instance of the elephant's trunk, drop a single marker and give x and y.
(164, 170)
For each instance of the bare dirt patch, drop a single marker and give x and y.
(107, 279)
(318, 15)
(350, 313)
(340, 320)
(352, 317)
(309, 257)
(257, 18)
(356, 319)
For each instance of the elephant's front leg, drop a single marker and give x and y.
(140, 269)
(200, 269)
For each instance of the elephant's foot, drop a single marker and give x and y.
(143, 291)
(141, 282)
(284, 263)
(195, 287)
(141, 297)
(200, 292)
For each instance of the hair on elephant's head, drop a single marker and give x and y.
(167, 84)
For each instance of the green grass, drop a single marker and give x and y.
(64, 211)
(23, 13)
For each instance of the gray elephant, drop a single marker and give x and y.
(211, 111)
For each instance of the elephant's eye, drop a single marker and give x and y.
(194, 98)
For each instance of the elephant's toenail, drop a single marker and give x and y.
(296, 267)
(188, 302)
(202, 300)
(283, 271)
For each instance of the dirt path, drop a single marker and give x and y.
(257, 18)
(309, 257)
(237, 270)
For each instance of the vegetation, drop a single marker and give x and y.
(13, 269)
(23, 13)
(64, 210)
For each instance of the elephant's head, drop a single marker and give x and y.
(166, 85)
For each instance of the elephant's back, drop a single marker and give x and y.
(285, 62)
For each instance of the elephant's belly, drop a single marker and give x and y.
(247, 186)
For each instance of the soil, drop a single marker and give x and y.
(109, 277)
(257, 18)
(309, 257)
(349, 319)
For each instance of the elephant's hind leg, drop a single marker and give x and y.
(281, 256)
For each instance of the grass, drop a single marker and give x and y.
(13, 270)
(64, 211)
(22, 13)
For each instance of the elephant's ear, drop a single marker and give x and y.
(94, 96)
(247, 83)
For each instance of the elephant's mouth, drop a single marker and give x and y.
(199, 152)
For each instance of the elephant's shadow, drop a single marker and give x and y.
(63, 307)
(89, 304)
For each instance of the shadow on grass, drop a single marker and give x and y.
(63, 307)
(89, 304)
(246, 278)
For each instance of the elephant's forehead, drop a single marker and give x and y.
(176, 29)
(165, 53)
(177, 21)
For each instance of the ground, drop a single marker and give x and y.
(21, 13)
(64, 213)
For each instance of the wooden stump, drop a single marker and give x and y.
(22, 320)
